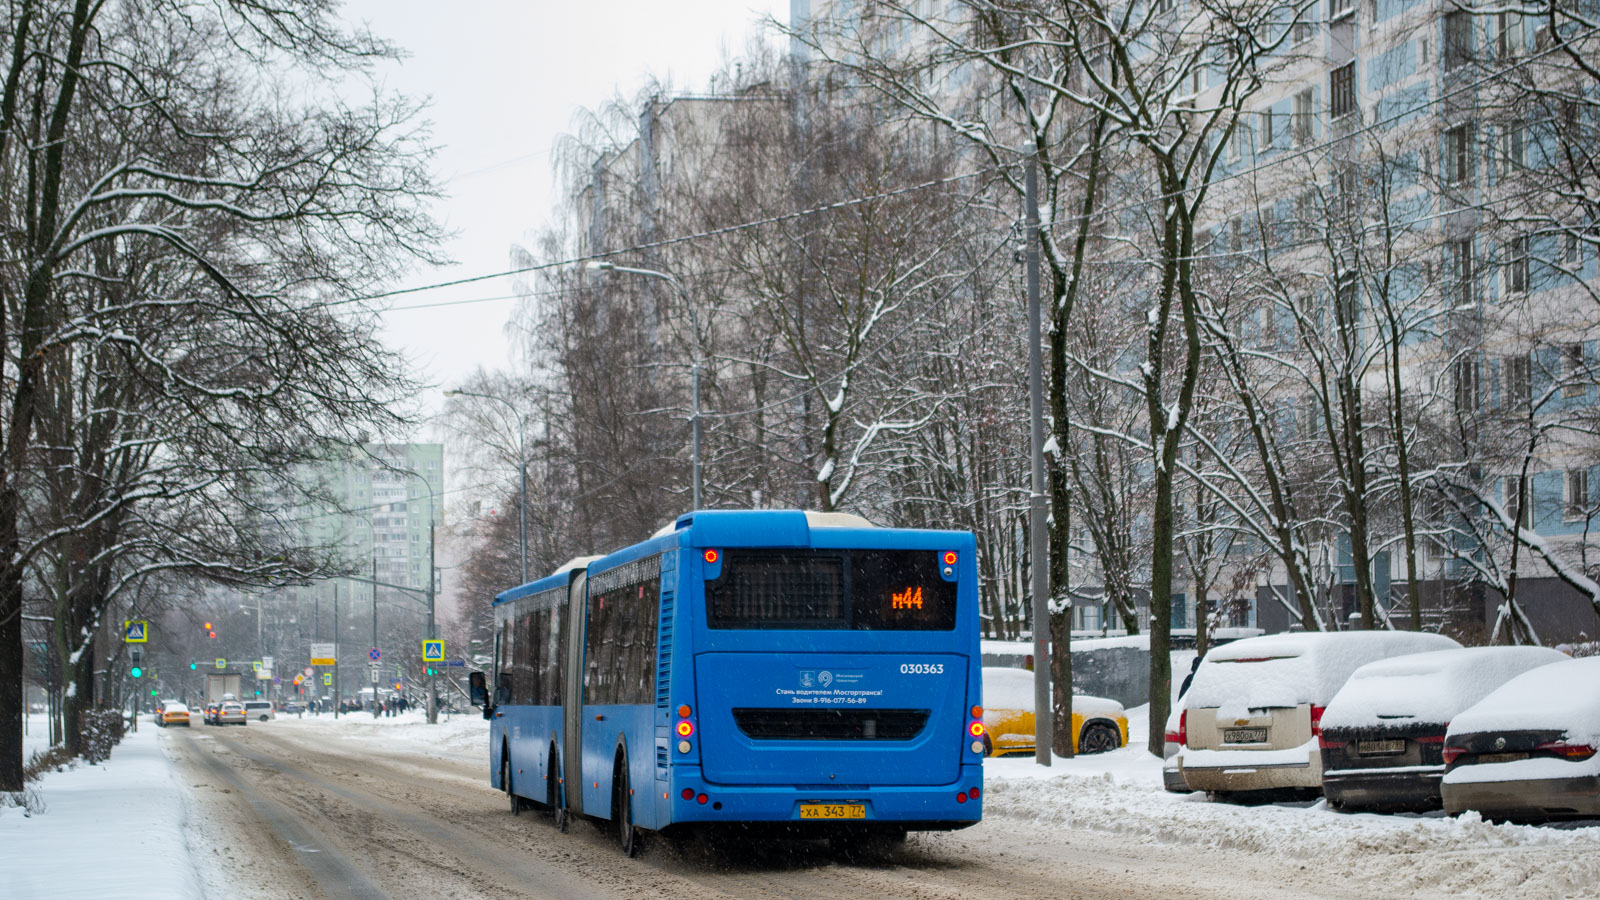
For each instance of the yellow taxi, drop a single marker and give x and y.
(173, 713)
(1098, 724)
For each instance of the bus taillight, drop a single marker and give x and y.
(685, 728)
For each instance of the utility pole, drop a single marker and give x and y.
(337, 695)
(1039, 553)
(374, 623)
(433, 692)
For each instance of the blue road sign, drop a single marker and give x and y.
(136, 631)
(433, 650)
(373, 654)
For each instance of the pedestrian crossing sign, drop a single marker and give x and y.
(136, 631)
(327, 679)
(433, 651)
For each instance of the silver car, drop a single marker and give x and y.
(1252, 717)
(232, 713)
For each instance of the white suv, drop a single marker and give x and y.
(259, 709)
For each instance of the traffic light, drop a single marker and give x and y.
(136, 672)
(431, 672)
(193, 666)
(152, 692)
(208, 626)
(258, 692)
(211, 634)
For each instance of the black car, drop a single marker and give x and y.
(1383, 734)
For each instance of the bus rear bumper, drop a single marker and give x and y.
(911, 807)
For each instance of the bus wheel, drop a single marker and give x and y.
(622, 811)
(505, 782)
(552, 796)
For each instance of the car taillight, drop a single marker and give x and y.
(1566, 750)
(1183, 728)
(1324, 743)
(1451, 754)
(1316, 720)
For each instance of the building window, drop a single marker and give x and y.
(1516, 267)
(1577, 499)
(1572, 370)
(1513, 139)
(1338, 9)
(1514, 498)
(1304, 111)
(1342, 90)
(1517, 375)
(1303, 28)
(1346, 188)
(1458, 43)
(1268, 132)
(1458, 154)
(1466, 384)
(1459, 272)
(1508, 36)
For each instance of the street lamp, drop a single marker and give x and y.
(600, 265)
(522, 465)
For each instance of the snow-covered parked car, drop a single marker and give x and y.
(1251, 717)
(1098, 724)
(1383, 733)
(1527, 752)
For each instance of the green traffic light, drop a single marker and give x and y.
(152, 692)
(136, 672)
(193, 666)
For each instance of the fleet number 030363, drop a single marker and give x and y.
(922, 668)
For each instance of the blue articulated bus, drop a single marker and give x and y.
(748, 668)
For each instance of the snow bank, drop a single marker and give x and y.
(1429, 687)
(1283, 670)
(1565, 695)
(112, 830)
(1389, 855)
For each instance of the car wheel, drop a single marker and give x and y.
(1099, 737)
(263, 718)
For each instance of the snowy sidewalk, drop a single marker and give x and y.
(112, 830)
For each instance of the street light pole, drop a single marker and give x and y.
(599, 265)
(522, 466)
(433, 691)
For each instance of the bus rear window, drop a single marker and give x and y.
(891, 590)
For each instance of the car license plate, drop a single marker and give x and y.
(833, 811)
(1244, 735)
(1500, 757)
(1380, 748)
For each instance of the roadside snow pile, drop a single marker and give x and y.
(111, 830)
(1284, 670)
(1119, 793)
(1429, 687)
(460, 736)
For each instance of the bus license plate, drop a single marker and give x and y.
(833, 811)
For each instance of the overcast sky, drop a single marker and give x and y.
(506, 78)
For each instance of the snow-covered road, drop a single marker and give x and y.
(395, 807)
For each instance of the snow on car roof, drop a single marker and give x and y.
(1565, 695)
(1429, 687)
(1279, 670)
(174, 706)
